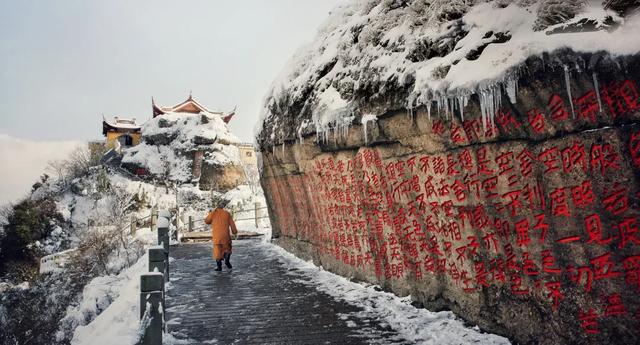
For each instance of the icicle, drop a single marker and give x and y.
(366, 132)
(567, 78)
(497, 105)
(596, 85)
(511, 87)
(490, 103)
(365, 125)
(482, 96)
(463, 100)
(486, 106)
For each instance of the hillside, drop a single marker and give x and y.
(86, 210)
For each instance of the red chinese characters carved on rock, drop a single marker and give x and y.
(412, 217)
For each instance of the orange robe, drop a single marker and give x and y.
(221, 222)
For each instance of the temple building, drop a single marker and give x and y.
(247, 154)
(189, 106)
(120, 133)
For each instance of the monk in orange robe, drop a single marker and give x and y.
(221, 222)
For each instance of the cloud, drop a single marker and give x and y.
(23, 161)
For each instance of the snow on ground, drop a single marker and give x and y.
(419, 326)
(157, 196)
(93, 207)
(242, 201)
(159, 161)
(374, 47)
(119, 322)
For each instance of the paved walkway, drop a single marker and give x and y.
(261, 301)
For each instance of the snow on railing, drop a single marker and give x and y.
(256, 216)
(153, 286)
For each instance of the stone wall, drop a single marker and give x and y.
(527, 228)
(221, 178)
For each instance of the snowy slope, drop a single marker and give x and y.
(424, 53)
(119, 297)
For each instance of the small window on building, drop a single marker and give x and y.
(125, 140)
(248, 153)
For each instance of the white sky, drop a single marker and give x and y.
(64, 63)
(26, 161)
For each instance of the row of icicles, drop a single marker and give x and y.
(490, 102)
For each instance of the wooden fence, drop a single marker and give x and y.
(199, 225)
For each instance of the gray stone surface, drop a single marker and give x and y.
(527, 228)
(259, 302)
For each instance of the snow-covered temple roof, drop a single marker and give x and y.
(190, 106)
(120, 125)
(412, 53)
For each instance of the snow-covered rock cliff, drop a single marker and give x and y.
(172, 144)
(382, 55)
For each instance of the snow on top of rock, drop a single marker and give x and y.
(188, 129)
(168, 140)
(160, 160)
(433, 51)
(223, 155)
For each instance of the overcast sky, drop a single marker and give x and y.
(65, 63)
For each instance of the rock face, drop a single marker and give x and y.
(185, 147)
(221, 177)
(526, 226)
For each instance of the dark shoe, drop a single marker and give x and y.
(227, 258)
(219, 263)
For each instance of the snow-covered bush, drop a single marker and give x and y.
(76, 165)
(553, 12)
(28, 223)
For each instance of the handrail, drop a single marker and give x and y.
(263, 217)
(237, 211)
(153, 289)
(193, 222)
(207, 226)
(46, 266)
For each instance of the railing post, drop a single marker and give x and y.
(157, 259)
(163, 240)
(256, 212)
(190, 223)
(158, 263)
(154, 218)
(151, 292)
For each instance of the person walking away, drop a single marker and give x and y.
(221, 222)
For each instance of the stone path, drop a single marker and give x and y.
(261, 301)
